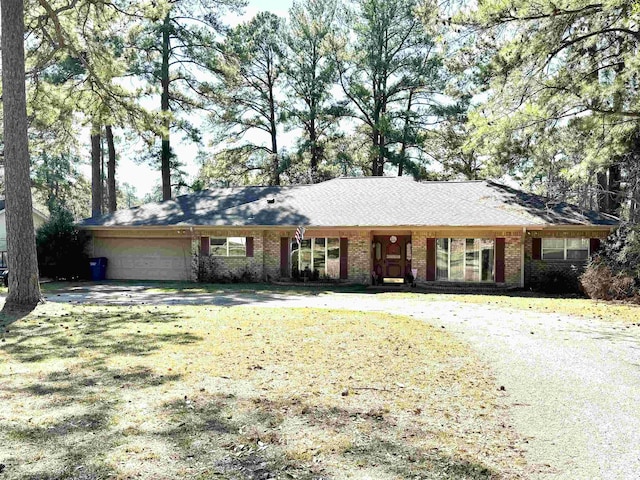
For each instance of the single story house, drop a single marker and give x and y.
(39, 219)
(367, 229)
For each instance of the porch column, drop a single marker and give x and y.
(431, 259)
(419, 255)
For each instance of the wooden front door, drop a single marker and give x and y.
(390, 257)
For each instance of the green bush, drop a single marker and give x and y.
(558, 281)
(61, 248)
(613, 273)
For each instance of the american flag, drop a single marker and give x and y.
(299, 234)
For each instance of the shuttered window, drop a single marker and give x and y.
(229, 246)
(565, 248)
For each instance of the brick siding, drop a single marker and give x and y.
(271, 249)
(535, 269)
(513, 260)
(419, 255)
(229, 268)
(359, 258)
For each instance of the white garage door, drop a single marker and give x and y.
(145, 258)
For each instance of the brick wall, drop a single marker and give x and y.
(419, 255)
(271, 260)
(359, 259)
(536, 269)
(211, 268)
(513, 260)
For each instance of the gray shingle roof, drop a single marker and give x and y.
(362, 201)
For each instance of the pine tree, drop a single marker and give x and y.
(311, 74)
(247, 95)
(390, 61)
(24, 286)
(174, 45)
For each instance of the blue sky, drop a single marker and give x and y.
(142, 177)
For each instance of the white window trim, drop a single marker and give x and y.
(227, 245)
(565, 249)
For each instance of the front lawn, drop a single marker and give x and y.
(581, 307)
(182, 287)
(91, 392)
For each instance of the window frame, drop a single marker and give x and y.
(481, 270)
(226, 239)
(565, 249)
(312, 241)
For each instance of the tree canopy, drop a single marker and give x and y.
(542, 93)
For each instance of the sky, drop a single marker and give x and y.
(143, 177)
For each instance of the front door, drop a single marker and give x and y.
(390, 262)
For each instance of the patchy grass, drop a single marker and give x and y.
(244, 393)
(581, 307)
(174, 287)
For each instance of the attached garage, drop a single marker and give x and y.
(145, 258)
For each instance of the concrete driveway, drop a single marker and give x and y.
(571, 386)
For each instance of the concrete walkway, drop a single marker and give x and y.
(572, 386)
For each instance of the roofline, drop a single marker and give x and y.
(35, 210)
(533, 227)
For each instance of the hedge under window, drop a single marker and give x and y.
(228, 247)
(565, 248)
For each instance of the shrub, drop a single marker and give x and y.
(61, 247)
(210, 271)
(599, 282)
(613, 273)
(557, 281)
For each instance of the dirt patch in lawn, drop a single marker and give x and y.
(244, 393)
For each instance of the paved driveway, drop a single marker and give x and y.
(572, 386)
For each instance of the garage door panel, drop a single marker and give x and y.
(145, 259)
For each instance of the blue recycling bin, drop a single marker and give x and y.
(98, 268)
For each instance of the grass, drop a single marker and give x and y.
(581, 307)
(177, 287)
(244, 393)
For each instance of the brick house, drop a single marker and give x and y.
(358, 230)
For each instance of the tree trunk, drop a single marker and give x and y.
(616, 192)
(275, 161)
(375, 137)
(315, 154)
(405, 135)
(609, 189)
(164, 106)
(111, 171)
(103, 189)
(24, 286)
(96, 172)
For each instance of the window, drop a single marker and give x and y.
(316, 254)
(565, 248)
(228, 247)
(465, 259)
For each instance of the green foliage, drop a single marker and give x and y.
(311, 73)
(563, 104)
(614, 272)
(61, 247)
(390, 70)
(558, 280)
(251, 75)
(59, 184)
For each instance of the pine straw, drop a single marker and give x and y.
(244, 393)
